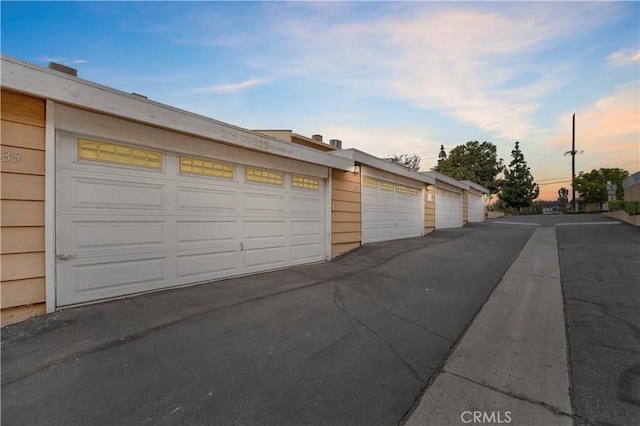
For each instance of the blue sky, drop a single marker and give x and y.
(385, 77)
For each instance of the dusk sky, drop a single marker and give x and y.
(384, 77)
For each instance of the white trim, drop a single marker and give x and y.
(378, 163)
(473, 185)
(53, 85)
(423, 204)
(446, 179)
(50, 207)
(328, 215)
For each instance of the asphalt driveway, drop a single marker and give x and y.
(349, 342)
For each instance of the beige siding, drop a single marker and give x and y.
(429, 208)
(22, 284)
(465, 207)
(632, 193)
(346, 216)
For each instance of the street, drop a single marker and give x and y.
(356, 341)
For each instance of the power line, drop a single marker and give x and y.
(554, 183)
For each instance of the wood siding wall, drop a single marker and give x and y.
(465, 207)
(346, 212)
(22, 282)
(429, 208)
(632, 193)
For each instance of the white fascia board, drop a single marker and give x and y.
(446, 179)
(369, 160)
(476, 186)
(48, 84)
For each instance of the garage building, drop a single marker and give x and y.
(107, 194)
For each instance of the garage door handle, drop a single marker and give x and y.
(241, 247)
(62, 257)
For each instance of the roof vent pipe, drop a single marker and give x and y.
(317, 138)
(336, 143)
(63, 68)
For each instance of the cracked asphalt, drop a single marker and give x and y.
(356, 341)
(600, 268)
(348, 342)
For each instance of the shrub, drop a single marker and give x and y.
(615, 206)
(631, 207)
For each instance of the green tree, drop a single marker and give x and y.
(410, 161)
(474, 161)
(592, 186)
(518, 188)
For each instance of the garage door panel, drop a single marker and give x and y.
(261, 229)
(109, 234)
(306, 252)
(261, 203)
(307, 228)
(206, 232)
(116, 194)
(307, 206)
(206, 199)
(265, 257)
(207, 265)
(103, 279)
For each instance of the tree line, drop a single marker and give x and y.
(514, 184)
(479, 163)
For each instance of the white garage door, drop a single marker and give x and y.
(476, 208)
(131, 220)
(390, 210)
(448, 209)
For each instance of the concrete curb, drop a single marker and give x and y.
(511, 365)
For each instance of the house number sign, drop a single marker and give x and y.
(13, 157)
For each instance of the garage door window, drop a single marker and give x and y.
(200, 166)
(263, 176)
(118, 154)
(305, 182)
(370, 182)
(414, 191)
(387, 186)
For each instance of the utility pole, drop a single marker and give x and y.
(573, 162)
(573, 153)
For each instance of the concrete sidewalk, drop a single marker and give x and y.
(511, 365)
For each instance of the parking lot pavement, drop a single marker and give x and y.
(601, 281)
(349, 342)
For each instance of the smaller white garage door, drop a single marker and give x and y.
(390, 210)
(448, 209)
(476, 208)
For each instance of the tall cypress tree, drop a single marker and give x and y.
(518, 188)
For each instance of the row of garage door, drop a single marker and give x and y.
(131, 219)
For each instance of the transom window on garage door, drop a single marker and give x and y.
(370, 182)
(106, 152)
(263, 176)
(305, 182)
(449, 194)
(387, 186)
(199, 166)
